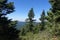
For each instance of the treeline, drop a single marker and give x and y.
(49, 22)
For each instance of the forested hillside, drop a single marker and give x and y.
(47, 29)
(49, 26)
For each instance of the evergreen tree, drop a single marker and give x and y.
(51, 25)
(30, 20)
(53, 16)
(55, 5)
(42, 19)
(55, 8)
(7, 32)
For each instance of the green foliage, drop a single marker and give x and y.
(53, 17)
(42, 19)
(36, 29)
(31, 13)
(38, 36)
(7, 27)
(50, 23)
(30, 20)
(13, 23)
(23, 32)
(55, 5)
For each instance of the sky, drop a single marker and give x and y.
(22, 8)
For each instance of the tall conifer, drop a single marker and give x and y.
(7, 32)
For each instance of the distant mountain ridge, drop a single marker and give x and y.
(20, 24)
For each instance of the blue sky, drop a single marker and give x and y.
(22, 8)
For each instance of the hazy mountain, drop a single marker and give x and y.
(20, 24)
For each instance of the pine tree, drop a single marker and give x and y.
(54, 16)
(30, 20)
(7, 32)
(42, 19)
(55, 5)
(55, 8)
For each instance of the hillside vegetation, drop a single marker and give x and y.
(47, 29)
